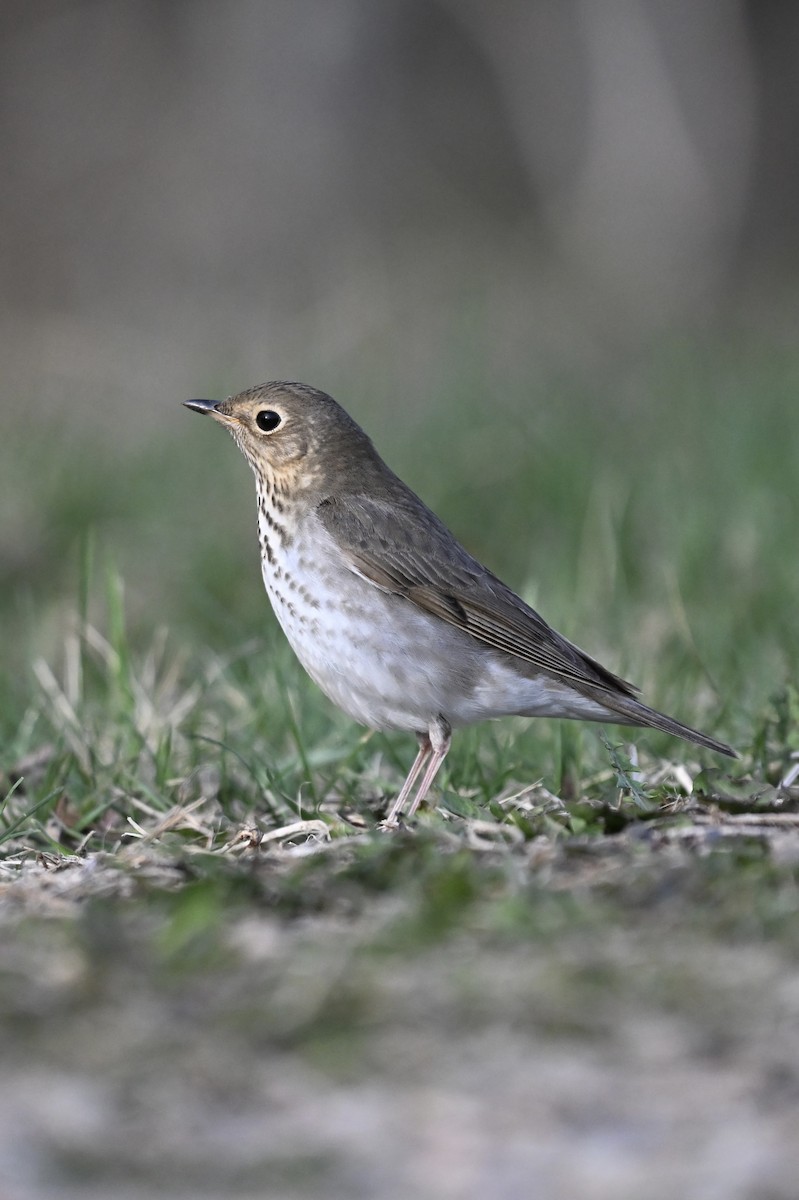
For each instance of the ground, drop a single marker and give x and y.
(455, 1011)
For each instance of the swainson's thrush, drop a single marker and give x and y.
(395, 621)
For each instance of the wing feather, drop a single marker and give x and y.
(403, 548)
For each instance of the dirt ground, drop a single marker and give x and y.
(615, 1020)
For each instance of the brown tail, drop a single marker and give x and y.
(632, 712)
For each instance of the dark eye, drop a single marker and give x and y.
(267, 419)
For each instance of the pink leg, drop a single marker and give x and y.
(440, 739)
(425, 750)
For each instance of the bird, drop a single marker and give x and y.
(396, 622)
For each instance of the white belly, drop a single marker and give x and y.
(388, 664)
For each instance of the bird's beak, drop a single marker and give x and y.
(202, 406)
(212, 407)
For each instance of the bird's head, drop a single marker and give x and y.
(293, 436)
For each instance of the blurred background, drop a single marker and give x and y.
(229, 190)
(558, 238)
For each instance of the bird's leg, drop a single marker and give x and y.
(425, 750)
(439, 739)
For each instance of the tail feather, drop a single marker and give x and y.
(630, 711)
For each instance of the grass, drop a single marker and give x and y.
(188, 829)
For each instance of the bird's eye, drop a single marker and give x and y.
(267, 419)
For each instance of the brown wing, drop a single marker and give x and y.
(400, 546)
